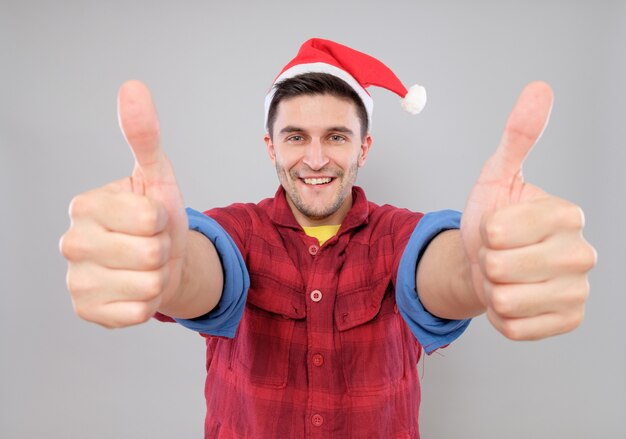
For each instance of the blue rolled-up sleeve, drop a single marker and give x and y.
(431, 331)
(224, 319)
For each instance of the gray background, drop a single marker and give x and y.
(209, 65)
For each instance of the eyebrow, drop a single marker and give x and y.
(293, 129)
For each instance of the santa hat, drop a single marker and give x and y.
(358, 69)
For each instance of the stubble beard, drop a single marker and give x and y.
(347, 180)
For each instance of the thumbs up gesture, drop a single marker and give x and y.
(127, 240)
(528, 259)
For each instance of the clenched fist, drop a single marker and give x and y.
(529, 261)
(127, 240)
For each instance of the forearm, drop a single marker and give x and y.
(443, 279)
(202, 280)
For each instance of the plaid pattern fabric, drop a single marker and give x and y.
(321, 350)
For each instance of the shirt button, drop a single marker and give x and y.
(316, 295)
(314, 249)
(318, 360)
(317, 420)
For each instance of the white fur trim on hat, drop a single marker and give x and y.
(320, 67)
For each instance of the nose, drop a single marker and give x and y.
(315, 156)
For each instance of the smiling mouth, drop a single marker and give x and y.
(317, 181)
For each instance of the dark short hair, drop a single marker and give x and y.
(308, 84)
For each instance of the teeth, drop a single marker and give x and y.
(317, 180)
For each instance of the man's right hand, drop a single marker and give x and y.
(127, 240)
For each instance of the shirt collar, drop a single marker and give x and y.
(281, 213)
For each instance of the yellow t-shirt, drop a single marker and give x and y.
(322, 233)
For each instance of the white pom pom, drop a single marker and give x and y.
(415, 99)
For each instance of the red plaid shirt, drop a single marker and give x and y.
(321, 350)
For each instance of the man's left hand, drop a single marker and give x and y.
(529, 260)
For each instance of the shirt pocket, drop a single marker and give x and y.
(372, 350)
(265, 334)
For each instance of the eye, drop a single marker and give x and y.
(296, 138)
(337, 138)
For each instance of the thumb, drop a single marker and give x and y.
(140, 125)
(525, 125)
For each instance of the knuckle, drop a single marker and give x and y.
(148, 219)
(582, 292)
(575, 319)
(583, 257)
(591, 256)
(154, 284)
(494, 230)
(511, 330)
(154, 253)
(579, 317)
(72, 284)
(79, 285)
(501, 302)
(150, 253)
(139, 313)
(571, 215)
(65, 246)
(493, 265)
(578, 216)
(62, 248)
(81, 205)
(83, 311)
(72, 247)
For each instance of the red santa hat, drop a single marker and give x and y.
(358, 69)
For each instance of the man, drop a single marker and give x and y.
(316, 304)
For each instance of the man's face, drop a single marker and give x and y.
(317, 149)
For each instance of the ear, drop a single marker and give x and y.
(270, 147)
(366, 144)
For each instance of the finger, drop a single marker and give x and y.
(538, 327)
(140, 126)
(123, 212)
(562, 254)
(529, 222)
(529, 300)
(121, 314)
(523, 128)
(92, 285)
(121, 251)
